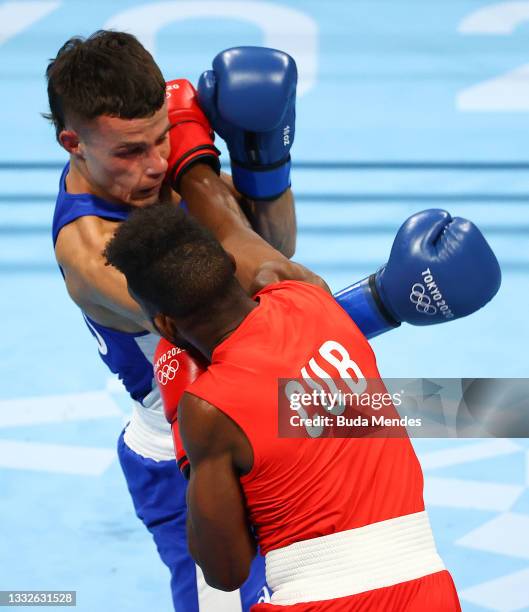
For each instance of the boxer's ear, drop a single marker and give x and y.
(166, 326)
(69, 140)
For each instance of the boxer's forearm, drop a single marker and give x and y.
(214, 205)
(211, 201)
(274, 220)
(191, 540)
(218, 537)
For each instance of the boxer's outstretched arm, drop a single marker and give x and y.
(214, 205)
(219, 536)
(277, 270)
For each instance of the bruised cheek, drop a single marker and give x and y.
(122, 177)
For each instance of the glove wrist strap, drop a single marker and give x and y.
(204, 154)
(261, 182)
(362, 303)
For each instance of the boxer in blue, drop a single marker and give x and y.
(129, 137)
(125, 132)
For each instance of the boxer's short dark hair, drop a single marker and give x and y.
(171, 263)
(108, 73)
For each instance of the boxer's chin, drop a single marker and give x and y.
(145, 198)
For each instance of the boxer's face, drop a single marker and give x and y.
(125, 160)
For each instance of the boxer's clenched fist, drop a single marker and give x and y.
(440, 269)
(249, 98)
(191, 136)
(174, 370)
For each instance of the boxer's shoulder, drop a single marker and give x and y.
(209, 432)
(80, 244)
(83, 238)
(279, 270)
(90, 282)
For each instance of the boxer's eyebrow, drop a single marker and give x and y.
(130, 144)
(165, 132)
(127, 144)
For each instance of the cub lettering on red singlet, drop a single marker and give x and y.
(336, 361)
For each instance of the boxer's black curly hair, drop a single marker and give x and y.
(171, 263)
(108, 73)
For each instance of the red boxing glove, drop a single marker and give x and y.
(174, 370)
(191, 136)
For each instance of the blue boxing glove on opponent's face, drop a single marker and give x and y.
(249, 98)
(440, 268)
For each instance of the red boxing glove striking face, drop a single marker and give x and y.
(174, 370)
(191, 136)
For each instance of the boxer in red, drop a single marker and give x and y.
(341, 521)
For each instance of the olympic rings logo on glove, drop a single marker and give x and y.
(423, 302)
(168, 372)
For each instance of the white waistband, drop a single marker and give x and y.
(148, 432)
(353, 561)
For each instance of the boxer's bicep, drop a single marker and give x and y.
(219, 536)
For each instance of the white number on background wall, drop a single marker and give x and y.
(18, 16)
(283, 27)
(508, 92)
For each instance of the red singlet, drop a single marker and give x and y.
(323, 509)
(304, 488)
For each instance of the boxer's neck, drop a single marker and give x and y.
(211, 328)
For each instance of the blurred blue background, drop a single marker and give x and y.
(404, 105)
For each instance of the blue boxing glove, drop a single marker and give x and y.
(440, 269)
(249, 98)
